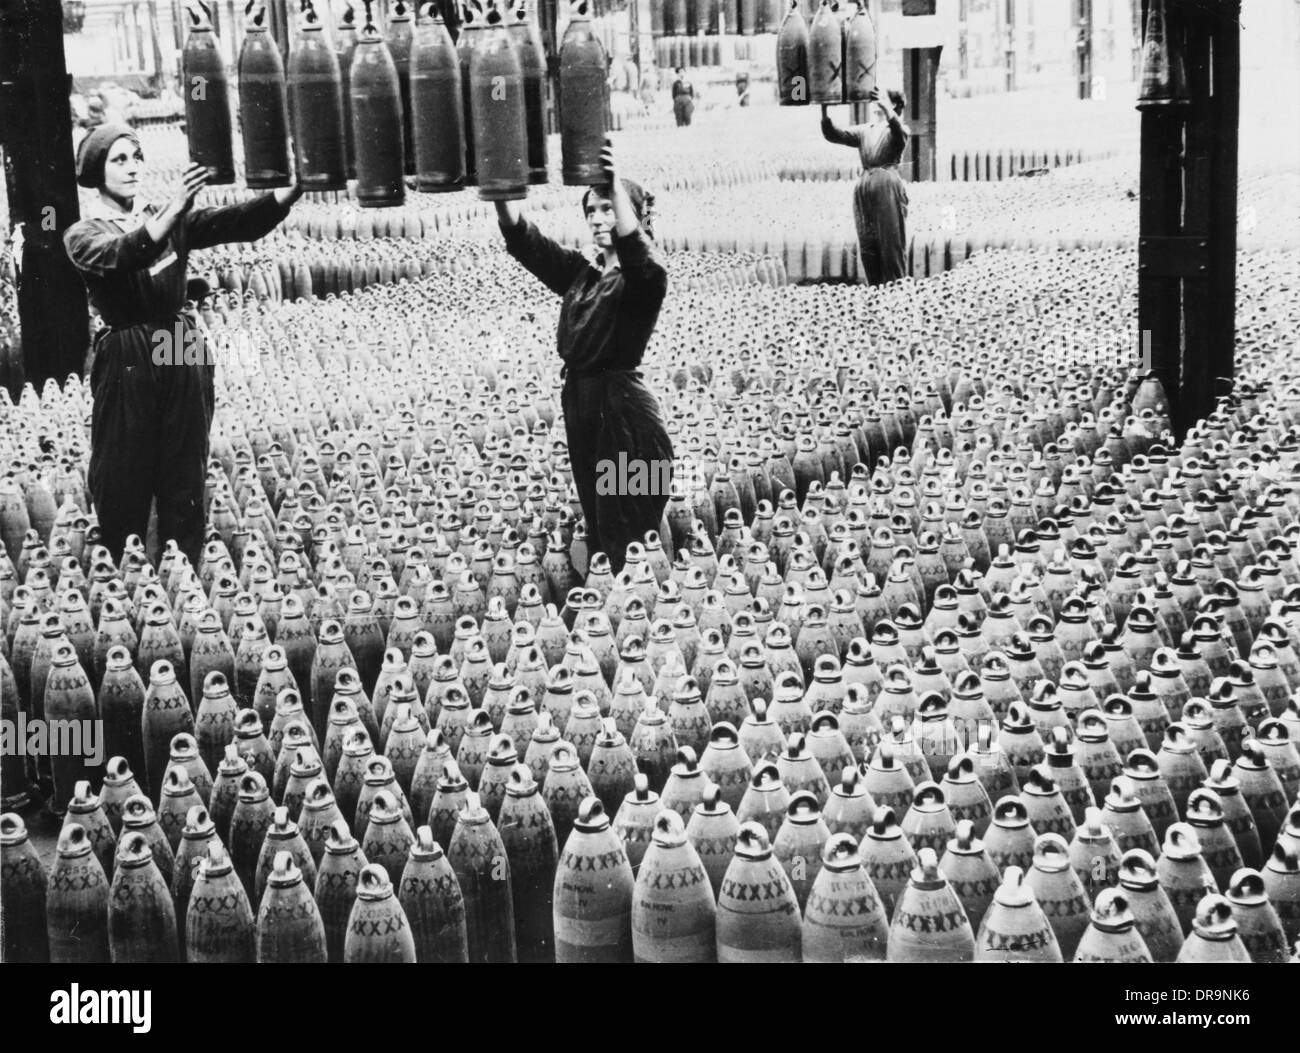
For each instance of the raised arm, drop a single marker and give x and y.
(898, 131)
(644, 274)
(98, 251)
(552, 264)
(833, 133)
(246, 221)
(625, 217)
(509, 214)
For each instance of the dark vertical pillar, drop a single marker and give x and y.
(1159, 219)
(548, 18)
(1083, 46)
(1189, 31)
(36, 125)
(1212, 42)
(1223, 121)
(1188, 239)
(920, 82)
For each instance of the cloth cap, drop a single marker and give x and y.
(94, 152)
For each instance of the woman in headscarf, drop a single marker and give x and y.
(880, 198)
(619, 449)
(152, 374)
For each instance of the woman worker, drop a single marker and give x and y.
(152, 376)
(683, 99)
(609, 310)
(880, 198)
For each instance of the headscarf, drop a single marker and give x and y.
(94, 152)
(643, 202)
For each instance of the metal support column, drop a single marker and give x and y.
(1187, 244)
(1210, 203)
(920, 84)
(548, 21)
(920, 81)
(36, 130)
(1083, 46)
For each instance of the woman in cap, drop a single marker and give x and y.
(880, 198)
(611, 303)
(152, 376)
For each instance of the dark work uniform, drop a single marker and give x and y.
(149, 429)
(880, 198)
(605, 323)
(683, 102)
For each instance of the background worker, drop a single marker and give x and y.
(683, 99)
